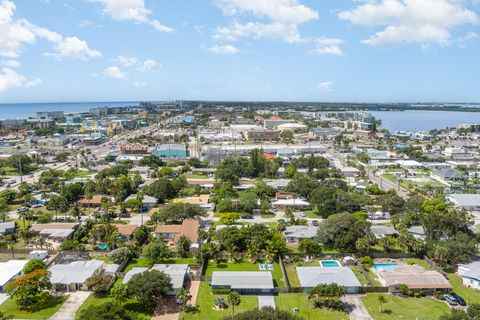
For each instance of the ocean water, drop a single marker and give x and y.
(422, 120)
(25, 110)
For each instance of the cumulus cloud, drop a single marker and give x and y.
(287, 32)
(147, 65)
(226, 49)
(285, 16)
(285, 11)
(74, 48)
(15, 34)
(327, 46)
(410, 21)
(325, 86)
(115, 72)
(126, 61)
(11, 79)
(11, 63)
(131, 10)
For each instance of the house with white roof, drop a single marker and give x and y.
(469, 202)
(9, 271)
(470, 274)
(296, 234)
(177, 272)
(311, 277)
(7, 228)
(243, 282)
(72, 276)
(291, 203)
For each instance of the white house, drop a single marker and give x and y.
(469, 202)
(291, 203)
(470, 274)
(9, 271)
(297, 233)
(72, 276)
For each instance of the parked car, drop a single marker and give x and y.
(450, 300)
(301, 214)
(315, 223)
(459, 299)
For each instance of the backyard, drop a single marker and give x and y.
(44, 309)
(142, 262)
(404, 308)
(206, 300)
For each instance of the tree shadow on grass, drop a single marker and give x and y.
(45, 301)
(138, 307)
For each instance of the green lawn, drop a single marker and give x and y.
(241, 265)
(288, 301)
(44, 309)
(206, 300)
(83, 174)
(143, 262)
(131, 304)
(470, 295)
(404, 308)
(419, 262)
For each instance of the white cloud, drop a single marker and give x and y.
(126, 61)
(287, 32)
(139, 84)
(465, 40)
(327, 46)
(11, 79)
(131, 10)
(325, 86)
(285, 11)
(148, 65)
(14, 34)
(74, 48)
(410, 21)
(11, 63)
(115, 72)
(85, 23)
(226, 49)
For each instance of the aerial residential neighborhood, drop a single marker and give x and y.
(239, 160)
(161, 220)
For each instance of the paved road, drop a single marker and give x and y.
(386, 185)
(68, 310)
(3, 297)
(356, 309)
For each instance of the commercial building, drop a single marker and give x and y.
(261, 135)
(177, 150)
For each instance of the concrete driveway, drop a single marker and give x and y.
(356, 309)
(266, 301)
(3, 297)
(68, 310)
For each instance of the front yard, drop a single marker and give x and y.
(206, 300)
(132, 305)
(44, 309)
(404, 308)
(289, 301)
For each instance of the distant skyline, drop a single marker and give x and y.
(240, 50)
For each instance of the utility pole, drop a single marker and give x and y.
(20, 169)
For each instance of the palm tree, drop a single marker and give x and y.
(4, 316)
(76, 212)
(233, 299)
(11, 247)
(362, 245)
(381, 301)
(440, 253)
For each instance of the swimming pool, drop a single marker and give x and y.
(330, 264)
(103, 246)
(385, 266)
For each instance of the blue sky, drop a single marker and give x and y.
(289, 50)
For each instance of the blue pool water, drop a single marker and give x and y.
(330, 264)
(103, 246)
(384, 266)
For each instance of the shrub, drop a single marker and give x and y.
(367, 262)
(119, 255)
